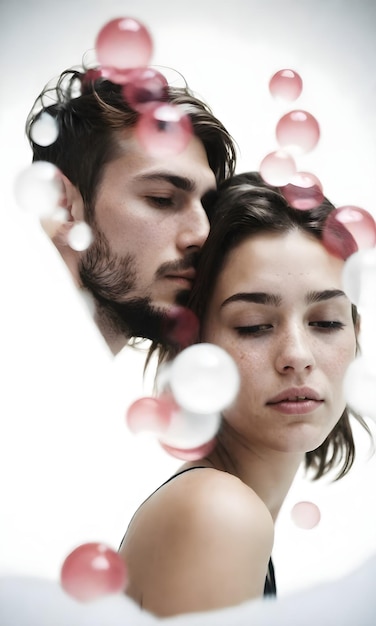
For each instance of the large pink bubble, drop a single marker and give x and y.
(306, 515)
(124, 43)
(164, 130)
(144, 85)
(304, 191)
(298, 132)
(93, 570)
(337, 238)
(359, 223)
(151, 414)
(286, 84)
(277, 168)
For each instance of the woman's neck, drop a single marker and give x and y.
(269, 473)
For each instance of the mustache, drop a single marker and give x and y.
(176, 266)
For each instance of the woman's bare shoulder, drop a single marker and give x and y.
(203, 541)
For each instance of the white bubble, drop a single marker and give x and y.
(39, 189)
(360, 387)
(204, 379)
(305, 515)
(80, 236)
(190, 430)
(359, 277)
(45, 130)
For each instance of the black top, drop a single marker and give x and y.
(270, 584)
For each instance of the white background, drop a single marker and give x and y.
(70, 471)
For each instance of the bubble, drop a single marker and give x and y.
(193, 454)
(151, 414)
(80, 236)
(359, 223)
(298, 132)
(164, 130)
(305, 515)
(39, 189)
(124, 43)
(204, 379)
(118, 76)
(187, 430)
(180, 327)
(144, 85)
(360, 387)
(337, 239)
(304, 191)
(277, 168)
(93, 570)
(44, 130)
(359, 277)
(286, 84)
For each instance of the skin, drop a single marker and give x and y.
(203, 541)
(149, 212)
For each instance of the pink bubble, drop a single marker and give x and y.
(152, 414)
(277, 168)
(337, 239)
(298, 131)
(359, 223)
(181, 327)
(306, 515)
(163, 130)
(124, 43)
(144, 85)
(118, 76)
(286, 84)
(93, 570)
(191, 454)
(304, 191)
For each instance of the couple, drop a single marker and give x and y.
(263, 287)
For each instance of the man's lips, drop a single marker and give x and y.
(188, 275)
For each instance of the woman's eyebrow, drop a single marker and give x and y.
(259, 297)
(322, 296)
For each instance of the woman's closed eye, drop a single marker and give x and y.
(254, 329)
(327, 325)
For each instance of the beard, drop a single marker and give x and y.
(110, 278)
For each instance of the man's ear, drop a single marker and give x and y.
(72, 200)
(58, 229)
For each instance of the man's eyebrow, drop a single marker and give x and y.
(259, 297)
(180, 182)
(322, 296)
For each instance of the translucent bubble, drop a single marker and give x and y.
(193, 454)
(337, 239)
(277, 168)
(164, 130)
(359, 277)
(180, 327)
(151, 414)
(118, 76)
(286, 84)
(306, 515)
(298, 132)
(80, 236)
(44, 130)
(304, 191)
(360, 386)
(204, 379)
(144, 85)
(93, 570)
(359, 223)
(188, 430)
(39, 189)
(124, 43)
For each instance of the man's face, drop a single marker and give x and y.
(149, 226)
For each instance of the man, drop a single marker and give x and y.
(146, 213)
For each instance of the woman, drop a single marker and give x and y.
(269, 293)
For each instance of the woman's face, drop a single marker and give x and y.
(279, 310)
